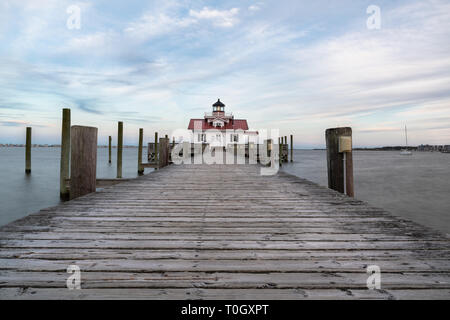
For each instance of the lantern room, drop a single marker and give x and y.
(218, 107)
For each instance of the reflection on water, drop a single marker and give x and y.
(416, 187)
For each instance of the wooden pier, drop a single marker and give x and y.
(220, 232)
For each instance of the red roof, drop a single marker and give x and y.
(238, 124)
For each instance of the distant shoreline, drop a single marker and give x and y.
(397, 148)
(421, 148)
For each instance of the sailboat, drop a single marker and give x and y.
(406, 152)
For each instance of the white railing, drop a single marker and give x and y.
(214, 114)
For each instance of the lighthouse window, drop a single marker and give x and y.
(234, 138)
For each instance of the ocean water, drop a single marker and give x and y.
(413, 187)
(22, 194)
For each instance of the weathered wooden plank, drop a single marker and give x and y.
(177, 233)
(91, 280)
(243, 254)
(225, 294)
(198, 235)
(217, 265)
(225, 244)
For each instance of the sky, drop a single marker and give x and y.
(297, 66)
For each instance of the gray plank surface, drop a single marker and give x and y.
(220, 232)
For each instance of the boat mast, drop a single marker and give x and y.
(406, 135)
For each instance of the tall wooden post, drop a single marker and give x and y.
(119, 149)
(292, 148)
(280, 150)
(339, 147)
(109, 149)
(141, 138)
(349, 186)
(156, 149)
(247, 151)
(28, 151)
(65, 155)
(285, 146)
(163, 152)
(83, 161)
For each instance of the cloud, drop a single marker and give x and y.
(87, 43)
(166, 20)
(18, 123)
(88, 105)
(221, 18)
(287, 66)
(11, 123)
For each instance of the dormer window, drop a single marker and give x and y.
(218, 123)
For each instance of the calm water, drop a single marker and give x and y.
(22, 194)
(415, 187)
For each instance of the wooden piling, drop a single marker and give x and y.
(83, 161)
(109, 149)
(141, 138)
(285, 146)
(280, 150)
(28, 151)
(292, 148)
(119, 149)
(156, 148)
(349, 186)
(64, 173)
(163, 152)
(335, 160)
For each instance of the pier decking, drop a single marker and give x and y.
(220, 232)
